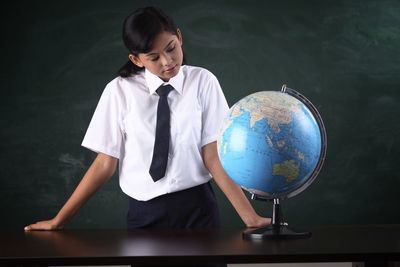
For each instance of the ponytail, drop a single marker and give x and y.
(129, 69)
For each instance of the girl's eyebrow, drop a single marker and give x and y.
(154, 54)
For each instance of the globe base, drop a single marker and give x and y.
(275, 232)
(278, 228)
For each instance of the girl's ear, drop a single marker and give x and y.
(179, 35)
(135, 60)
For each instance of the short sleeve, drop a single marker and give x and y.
(104, 133)
(214, 109)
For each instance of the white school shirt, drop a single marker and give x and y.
(124, 122)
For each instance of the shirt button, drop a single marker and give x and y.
(172, 181)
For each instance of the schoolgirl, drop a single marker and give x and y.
(159, 118)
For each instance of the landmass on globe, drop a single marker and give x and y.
(288, 169)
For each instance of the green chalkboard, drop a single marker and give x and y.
(57, 57)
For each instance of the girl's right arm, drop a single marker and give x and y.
(97, 175)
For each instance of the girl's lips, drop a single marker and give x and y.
(171, 69)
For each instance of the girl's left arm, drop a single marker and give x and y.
(232, 191)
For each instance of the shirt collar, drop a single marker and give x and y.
(153, 81)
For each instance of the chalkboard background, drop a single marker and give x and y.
(57, 56)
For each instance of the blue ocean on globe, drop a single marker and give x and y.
(269, 143)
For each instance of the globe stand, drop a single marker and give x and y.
(277, 229)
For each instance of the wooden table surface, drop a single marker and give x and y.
(368, 243)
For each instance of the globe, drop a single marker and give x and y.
(272, 143)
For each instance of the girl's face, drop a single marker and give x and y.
(165, 59)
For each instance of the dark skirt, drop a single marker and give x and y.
(195, 207)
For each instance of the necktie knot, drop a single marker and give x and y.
(164, 90)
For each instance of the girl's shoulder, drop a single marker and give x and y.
(121, 83)
(189, 71)
(123, 89)
(200, 77)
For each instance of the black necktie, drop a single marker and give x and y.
(161, 144)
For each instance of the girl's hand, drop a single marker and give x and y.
(258, 222)
(44, 226)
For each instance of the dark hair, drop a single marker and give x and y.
(139, 31)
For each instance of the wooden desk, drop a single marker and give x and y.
(368, 243)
